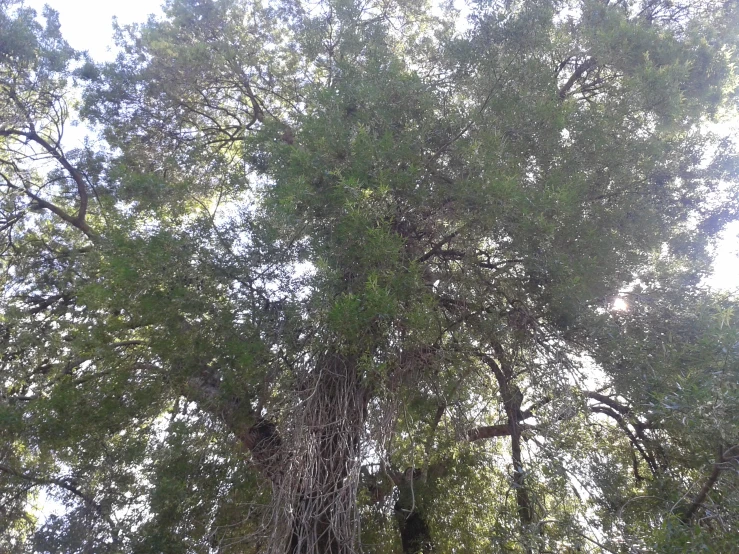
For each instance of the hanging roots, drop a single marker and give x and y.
(315, 489)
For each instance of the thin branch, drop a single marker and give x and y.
(69, 486)
(471, 122)
(619, 418)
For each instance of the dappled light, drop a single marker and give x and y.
(378, 276)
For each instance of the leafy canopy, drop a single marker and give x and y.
(341, 276)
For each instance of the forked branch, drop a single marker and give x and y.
(78, 220)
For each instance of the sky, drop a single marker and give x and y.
(87, 25)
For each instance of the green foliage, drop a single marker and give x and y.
(349, 268)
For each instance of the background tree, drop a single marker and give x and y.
(343, 278)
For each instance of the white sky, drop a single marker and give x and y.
(726, 266)
(87, 25)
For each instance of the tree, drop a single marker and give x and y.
(343, 278)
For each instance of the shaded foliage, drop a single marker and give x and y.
(341, 276)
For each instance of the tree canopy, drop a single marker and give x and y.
(375, 276)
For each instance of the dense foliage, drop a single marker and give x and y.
(345, 275)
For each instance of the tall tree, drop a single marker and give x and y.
(344, 276)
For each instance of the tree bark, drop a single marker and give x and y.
(313, 466)
(317, 492)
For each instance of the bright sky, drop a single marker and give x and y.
(87, 25)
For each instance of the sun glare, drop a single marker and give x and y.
(619, 305)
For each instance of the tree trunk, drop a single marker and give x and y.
(512, 400)
(316, 496)
(415, 535)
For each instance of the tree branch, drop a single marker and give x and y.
(492, 431)
(608, 401)
(710, 482)
(436, 249)
(77, 221)
(582, 68)
(256, 434)
(619, 418)
(68, 485)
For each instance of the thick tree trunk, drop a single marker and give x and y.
(317, 493)
(414, 533)
(525, 509)
(312, 460)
